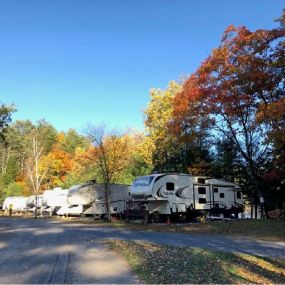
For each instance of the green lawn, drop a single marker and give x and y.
(166, 264)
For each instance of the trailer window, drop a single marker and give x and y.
(202, 200)
(201, 190)
(222, 195)
(216, 190)
(169, 186)
(143, 181)
(239, 194)
(201, 180)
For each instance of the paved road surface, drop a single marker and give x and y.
(48, 251)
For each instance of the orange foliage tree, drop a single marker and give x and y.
(231, 91)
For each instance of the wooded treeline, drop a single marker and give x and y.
(226, 120)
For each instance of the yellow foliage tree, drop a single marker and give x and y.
(159, 144)
(112, 154)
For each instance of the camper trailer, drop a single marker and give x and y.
(119, 195)
(16, 203)
(80, 199)
(53, 200)
(70, 210)
(183, 196)
(32, 201)
(90, 199)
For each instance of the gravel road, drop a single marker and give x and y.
(54, 252)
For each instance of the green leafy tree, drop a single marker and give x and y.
(5, 118)
(164, 147)
(72, 140)
(46, 134)
(14, 189)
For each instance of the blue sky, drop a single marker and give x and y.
(73, 62)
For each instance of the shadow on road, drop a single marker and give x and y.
(47, 251)
(35, 251)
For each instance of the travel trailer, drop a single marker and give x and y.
(53, 200)
(119, 195)
(79, 200)
(32, 201)
(70, 210)
(183, 196)
(89, 199)
(17, 203)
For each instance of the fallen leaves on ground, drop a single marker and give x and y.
(166, 264)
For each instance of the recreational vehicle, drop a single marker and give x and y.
(90, 199)
(53, 200)
(80, 199)
(183, 196)
(32, 201)
(70, 210)
(16, 203)
(119, 195)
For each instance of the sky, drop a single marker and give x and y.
(75, 62)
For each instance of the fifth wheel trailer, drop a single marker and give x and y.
(119, 195)
(183, 196)
(53, 200)
(90, 199)
(80, 199)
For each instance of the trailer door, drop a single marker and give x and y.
(202, 197)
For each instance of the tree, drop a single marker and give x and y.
(227, 162)
(83, 167)
(16, 151)
(228, 89)
(47, 134)
(112, 154)
(161, 146)
(5, 118)
(71, 140)
(5, 148)
(137, 166)
(15, 189)
(57, 163)
(36, 173)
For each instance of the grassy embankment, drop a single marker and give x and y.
(165, 264)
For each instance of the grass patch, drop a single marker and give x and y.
(166, 264)
(272, 230)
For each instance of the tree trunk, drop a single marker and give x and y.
(251, 207)
(36, 207)
(255, 208)
(107, 196)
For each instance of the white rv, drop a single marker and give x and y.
(89, 199)
(70, 210)
(53, 200)
(17, 203)
(183, 195)
(32, 201)
(119, 195)
(79, 200)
